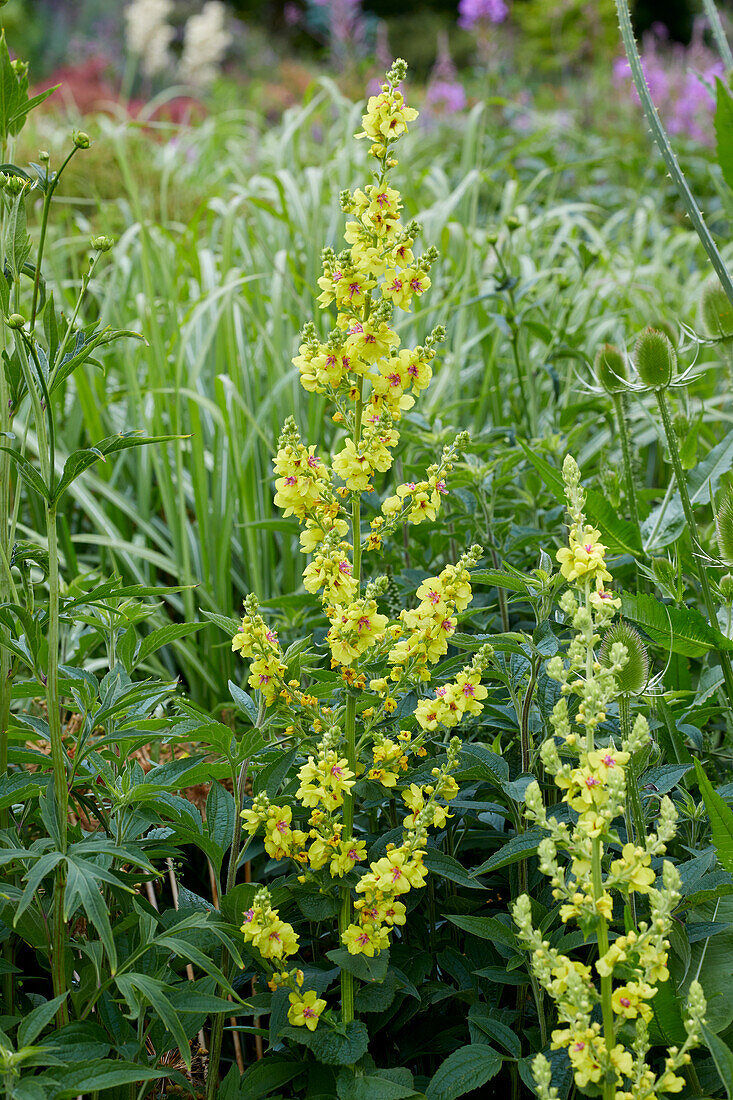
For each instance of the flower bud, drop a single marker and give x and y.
(15, 320)
(512, 222)
(102, 244)
(716, 310)
(80, 139)
(632, 678)
(610, 368)
(655, 359)
(724, 526)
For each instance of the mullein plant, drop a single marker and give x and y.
(596, 867)
(370, 381)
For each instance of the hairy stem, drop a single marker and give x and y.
(668, 155)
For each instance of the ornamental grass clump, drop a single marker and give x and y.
(596, 869)
(370, 381)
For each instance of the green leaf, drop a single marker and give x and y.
(724, 130)
(361, 966)
(338, 1049)
(521, 846)
(154, 993)
(486, 928)
(164, 635)
(33, 1024)
(220, 812)
(464, 1070)
(90, 1077)
(721, 818)
(266, 1076)
(28, 472)
(83, 882)
(440, 863)
(80, 461)
(372, 1086)
(681, 629)
(722, 1056)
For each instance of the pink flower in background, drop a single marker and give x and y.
(474, 12)
(680, 80)
(445, 94)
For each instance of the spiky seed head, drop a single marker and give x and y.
(610, 368)
(633, 677)
(716, 310)
(724, 526)
(655, 359)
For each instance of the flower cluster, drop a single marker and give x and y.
(371, 381)
(255, 641)
(591, 771)
(402, 868)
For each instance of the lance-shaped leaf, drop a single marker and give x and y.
(84, 343)
(79, 461)
(721, 818)
(28, 472)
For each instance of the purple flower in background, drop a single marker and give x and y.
(679, 79)
(473, 12)
(446, 96)
(445, 92)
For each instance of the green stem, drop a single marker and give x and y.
(52, 185)
(345, 912)
(623, 431)
(609, 1032)
(670, 160)
(707, 594)
(217, 1027)
(632, 784)
(718, 33)
(61, 789)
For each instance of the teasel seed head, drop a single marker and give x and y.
(724, 526)
(633, 677)
(655, 359)
(611, 369)
(716, 310)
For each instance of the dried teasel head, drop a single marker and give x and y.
(724, 526)
(633, 677)
(655, 359)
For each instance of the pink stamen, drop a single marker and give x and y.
(291, 480)
(337, 771)
(363, 622)
(625, 1002)
(579, 1046)
(591, 781)
(396, 285)
(434, 596)
(412, 369)
(308, 1012)
(282, 826)
(588, 548)
(609, 761)
(363, 939)
(469, 690)
(416, 286)
(345, 567)
(394, 379)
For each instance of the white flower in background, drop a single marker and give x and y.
(149, 33)
(205, 42)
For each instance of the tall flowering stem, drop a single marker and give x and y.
(354, 741)
(591, 771)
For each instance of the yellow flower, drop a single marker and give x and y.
(585, 556)
(634, 868)
(630, 1000)
(305, 1009)
(354, 629)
